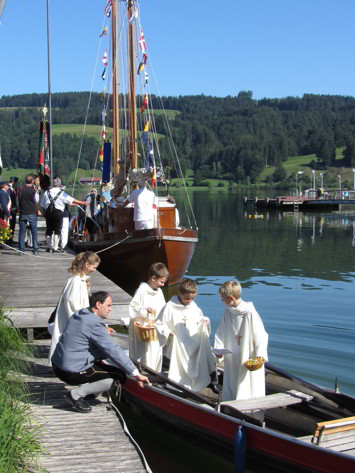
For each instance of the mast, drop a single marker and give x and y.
(132, 84)
(115, 92)
(49, 46)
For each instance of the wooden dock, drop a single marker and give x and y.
(31, 286)
(73, 442)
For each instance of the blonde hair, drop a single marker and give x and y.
(231, 289)
(158, 270)
(78, 264)
(187, 286)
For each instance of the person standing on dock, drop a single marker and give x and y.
(75, 295)
(147, 301)
(241, 332)
(12, 191)
(5, 202)
(53, 203)
(144, 206)
(182, 325)
(87, 357)
(28, 198)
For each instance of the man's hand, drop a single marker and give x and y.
(111, 330)
(142, 379)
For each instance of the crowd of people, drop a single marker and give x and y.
(83, 354)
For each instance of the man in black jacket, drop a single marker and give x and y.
(5, 213)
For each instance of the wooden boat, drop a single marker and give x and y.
(126, 253)
(297, 425)
(311, 200)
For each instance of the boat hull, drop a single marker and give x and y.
(127, 256)
(219, 430)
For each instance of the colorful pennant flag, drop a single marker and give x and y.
(104, 32)
(146, 78)
(142, 43)
(147, 125)
(103, 75)
(108, 8)
(145, 58)
(154, 178)
(105, 59)
(145, 102)
(140, 68)
(102, 154)
(145, 137)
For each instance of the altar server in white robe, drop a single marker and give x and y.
(192, 362)
(147, 301)
(75, 295)
(242, 332)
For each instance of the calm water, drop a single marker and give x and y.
(299, 271)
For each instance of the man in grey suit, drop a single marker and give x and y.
(79, 358)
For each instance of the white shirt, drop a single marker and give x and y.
(59, 204)
(144, 200)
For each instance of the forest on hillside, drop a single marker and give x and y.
(233, 137)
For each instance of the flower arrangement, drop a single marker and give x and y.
(5, 231)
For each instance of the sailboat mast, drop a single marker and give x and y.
(49, 46)
(115, 91)
(132, 84)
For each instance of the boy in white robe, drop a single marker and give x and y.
(148, 299)
(182, 323)
(241, 331)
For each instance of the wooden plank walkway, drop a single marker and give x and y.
(74, 442)
(31, 286)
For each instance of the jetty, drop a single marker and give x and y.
(73, 442)
(311, 200)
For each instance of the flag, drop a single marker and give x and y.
(43, 163)
(146, 77)
(147, 125)
(108, 8)
(151, 161)
(140, 68)
(104, 32)
(145, 58)
(145, 137)
(154, 178)
(142, 44)
(145, 102)
(103, 75)
(134, 14)
(103, 115)
(105, 59)
(0, 163)
(102, 154)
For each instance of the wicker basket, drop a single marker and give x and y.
(145, 333)
(254, 364)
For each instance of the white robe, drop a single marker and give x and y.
(149, 353)
(74, 297)
(238, 381)
(191, 358)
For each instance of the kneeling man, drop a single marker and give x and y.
(79, 358)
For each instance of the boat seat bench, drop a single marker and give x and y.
(270, 401)
(338, 435)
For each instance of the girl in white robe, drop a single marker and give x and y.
(241, 331)
(75, 295)
(149, 298)
(191, 359)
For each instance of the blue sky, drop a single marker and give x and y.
(274, 48)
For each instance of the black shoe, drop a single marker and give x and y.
(80, 404)
(214, 388)
(48, 250)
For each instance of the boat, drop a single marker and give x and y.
(297, 425)
(127, 253)
(311, 200)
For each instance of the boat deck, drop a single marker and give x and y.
(74, 442)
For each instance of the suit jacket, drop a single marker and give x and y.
(4, 203)
(86, 340)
